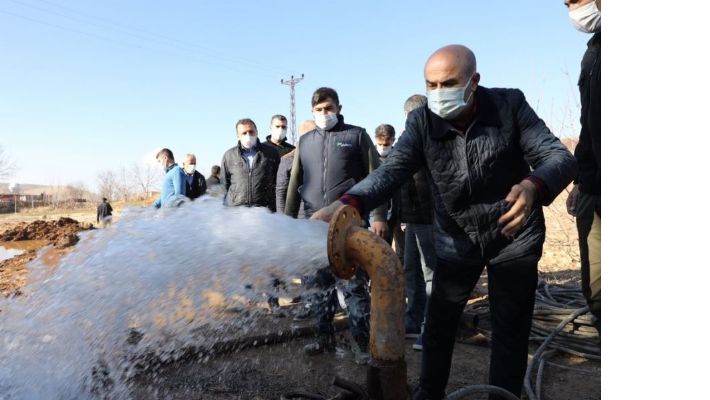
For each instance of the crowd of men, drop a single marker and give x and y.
(462, 189)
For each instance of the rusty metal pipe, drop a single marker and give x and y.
(350, 247)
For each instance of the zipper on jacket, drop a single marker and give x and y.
(326, 141)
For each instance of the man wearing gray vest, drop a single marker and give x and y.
(330, 160)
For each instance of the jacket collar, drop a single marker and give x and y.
(487, 114)
(280, 144)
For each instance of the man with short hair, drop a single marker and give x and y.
(196, 183)
(277, 138)
(174, 183)
(585, 200)
(103, 213)
(492, 164)
(417, 213)
(384, 141)
(329, 160)
(249, 170)
(214, 177)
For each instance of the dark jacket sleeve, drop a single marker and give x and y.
(224, 176)
(552, 163)
(201, 185)
(274, 177)
(372, 160)
(404, 160)
(293, 198)
(282, 180)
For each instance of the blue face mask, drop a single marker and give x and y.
(449, 103)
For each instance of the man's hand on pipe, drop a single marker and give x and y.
(326, 213)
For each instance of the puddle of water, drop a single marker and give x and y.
(6, 253)
(25, 245)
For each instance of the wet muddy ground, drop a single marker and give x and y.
(267, 372)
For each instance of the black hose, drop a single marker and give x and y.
(479, 389)
(538, 353)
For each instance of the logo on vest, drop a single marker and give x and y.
(341, 144)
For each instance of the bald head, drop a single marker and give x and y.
(454, 56)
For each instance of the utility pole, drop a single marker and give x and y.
(292, 84)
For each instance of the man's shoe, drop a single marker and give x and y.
(360, 349)
(322, 344)
(418, 344)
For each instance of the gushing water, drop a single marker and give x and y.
(150, 284)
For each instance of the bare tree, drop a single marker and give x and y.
(108, 184)
(7, 166)
(77, 193)
(124, 187)
(145, 177)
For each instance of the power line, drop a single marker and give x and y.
(140, 34)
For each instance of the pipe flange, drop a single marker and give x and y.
(343, 219)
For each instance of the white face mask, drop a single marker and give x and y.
(189, 169)
(587, 19)
(384, 150)
(325, 121)
(247, 141)
(448, 103)
(278, 134)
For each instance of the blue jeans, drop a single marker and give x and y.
(419, 265)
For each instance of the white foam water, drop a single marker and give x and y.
(158, 276)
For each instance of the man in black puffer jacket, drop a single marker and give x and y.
(249, 170)
(492, 164)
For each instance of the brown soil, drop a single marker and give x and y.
(60, 233)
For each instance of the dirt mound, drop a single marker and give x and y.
(61, 233)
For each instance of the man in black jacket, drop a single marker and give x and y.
(585, 200)
(492, 164)
(417, 212)
(196, 185)
(384, 142)
(103, 213)
(277, 138)
(249, 170)
(330, 160)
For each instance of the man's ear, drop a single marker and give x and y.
(340, 108)
(476, 78)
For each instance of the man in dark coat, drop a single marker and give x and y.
(249, 170)
(492, 164)
(585, 200)
(196, 185)
(329, 160)
(103, 213)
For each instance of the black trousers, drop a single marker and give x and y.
(511, 291)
